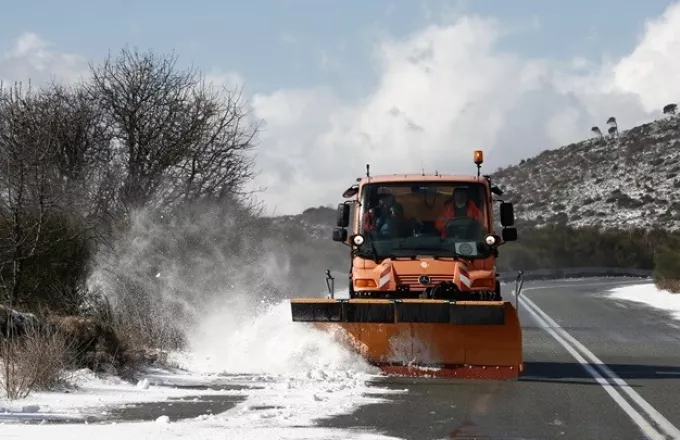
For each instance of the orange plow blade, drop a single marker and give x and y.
(416, 337)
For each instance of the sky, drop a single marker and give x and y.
(405, 85)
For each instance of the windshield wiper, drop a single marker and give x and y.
(436, 249)
(416, 248)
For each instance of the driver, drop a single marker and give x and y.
(459, 206)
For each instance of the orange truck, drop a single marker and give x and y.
(424, 294)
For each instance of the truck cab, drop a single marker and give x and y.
(424, 236)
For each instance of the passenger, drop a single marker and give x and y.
(385, 219)
(396, 224)
(459, 206)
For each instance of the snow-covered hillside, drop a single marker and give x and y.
(624, 181)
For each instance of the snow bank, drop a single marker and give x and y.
(281, 409)
(650, 295)
(290, 375)
(203, 428)
(88, 394)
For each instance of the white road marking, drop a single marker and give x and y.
(646, 428)
(573, 346)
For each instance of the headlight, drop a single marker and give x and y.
(358, 240)
(490, 240)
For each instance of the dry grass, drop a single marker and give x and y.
(35, 360)
(673, 286)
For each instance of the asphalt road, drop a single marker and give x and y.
(564, 392)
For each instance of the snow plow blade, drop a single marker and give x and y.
(466, 339)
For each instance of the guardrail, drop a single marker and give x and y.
(576, 272)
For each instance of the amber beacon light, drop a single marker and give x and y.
(479, 157)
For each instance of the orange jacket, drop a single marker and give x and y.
(449, 212)
(369, 220)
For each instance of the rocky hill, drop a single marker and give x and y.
(315, 223)
(624, 180)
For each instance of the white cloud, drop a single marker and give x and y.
(447, 90)
(32, 58)
(439, 94)
(651, 70)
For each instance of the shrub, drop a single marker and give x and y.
(35, 360)
(667, 269)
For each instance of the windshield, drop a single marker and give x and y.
(424, 218)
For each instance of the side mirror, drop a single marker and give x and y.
(351, 191)
(342, 217)
(340, 234)
(510, 234)
(507, 214)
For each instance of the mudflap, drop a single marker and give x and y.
(465, 339)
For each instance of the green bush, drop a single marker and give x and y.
(560, 246)
(667, 269)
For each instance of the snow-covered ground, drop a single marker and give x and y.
(275, 379)
(650, 295)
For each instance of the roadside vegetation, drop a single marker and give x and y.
(560, 246)
(137, 142)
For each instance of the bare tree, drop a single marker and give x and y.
(25, 204)
(173, 138)
(43, 235)
(216, 167)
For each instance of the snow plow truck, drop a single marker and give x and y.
(424, 295)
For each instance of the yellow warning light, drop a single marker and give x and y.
(479, 157)
(363, 282)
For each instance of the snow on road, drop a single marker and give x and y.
(650, 295)
(283, 377)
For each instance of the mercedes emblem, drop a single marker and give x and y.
(424, 280)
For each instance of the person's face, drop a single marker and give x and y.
(460, 198)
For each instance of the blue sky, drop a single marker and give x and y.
(280, 43)
(404, 84)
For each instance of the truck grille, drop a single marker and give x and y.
(412, 280)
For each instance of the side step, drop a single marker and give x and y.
(379, 311)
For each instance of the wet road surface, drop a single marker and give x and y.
(557, 397)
